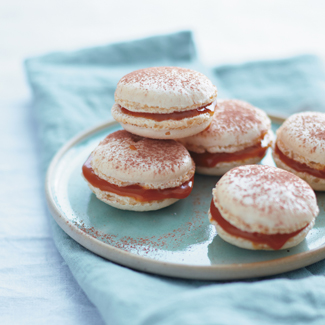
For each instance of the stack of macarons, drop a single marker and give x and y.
(174, 126)
(143, 167)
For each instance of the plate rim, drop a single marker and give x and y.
(145, 264)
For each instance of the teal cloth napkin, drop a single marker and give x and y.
(74, 91)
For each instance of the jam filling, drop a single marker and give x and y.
(172, 116)
(275, 241)
(210, 160)
(299, 167)
(136, 191)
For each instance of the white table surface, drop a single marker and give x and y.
(36, 286)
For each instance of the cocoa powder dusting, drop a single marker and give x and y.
(263, 180)
(234, 115)
(150, 244)
(131, 152)
(307, 130)
(166, 78)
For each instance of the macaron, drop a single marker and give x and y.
(262, 207)
(164, 102)
(239, 134)
(300, 147)
(130, 172)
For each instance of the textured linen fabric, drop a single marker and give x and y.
(74, 91)
(284, 87)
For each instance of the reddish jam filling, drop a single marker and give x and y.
(136, 191)
(273, 241)
(299, 167)
(172, 116)
(210, 160)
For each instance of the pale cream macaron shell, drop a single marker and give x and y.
(164, 90)
(126, 159)
(265, 200)
(302, 138)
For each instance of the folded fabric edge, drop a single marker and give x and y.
(177, 46)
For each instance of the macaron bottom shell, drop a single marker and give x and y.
(130, 203)
(162, 129)
(167, 133)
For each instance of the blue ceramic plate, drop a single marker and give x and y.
(175, 241)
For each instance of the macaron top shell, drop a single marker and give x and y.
(235, 125)
(124, 159)
(302, 137)
(265, 199)
(164, 90)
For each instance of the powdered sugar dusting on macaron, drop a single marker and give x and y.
(265, 199)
